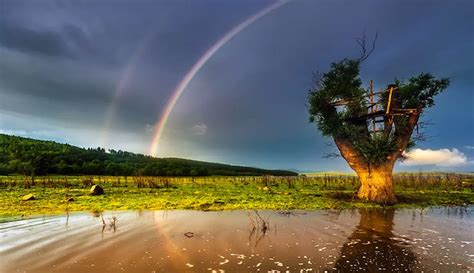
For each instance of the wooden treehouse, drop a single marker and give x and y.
(376, 114)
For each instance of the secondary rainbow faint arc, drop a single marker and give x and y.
(178, 91)
(122, 83)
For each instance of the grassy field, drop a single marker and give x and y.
(220, 193)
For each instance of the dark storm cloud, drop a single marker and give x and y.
(47, 43)
(63, 61)
(264, 73)
(69, 57)
(59, 90)
(64, 40)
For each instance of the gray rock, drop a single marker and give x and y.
(97, 190)
(28, 197)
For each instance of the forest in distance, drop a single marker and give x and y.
(26, 156)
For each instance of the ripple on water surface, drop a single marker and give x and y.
(242, 241)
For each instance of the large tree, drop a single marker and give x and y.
(341, 108)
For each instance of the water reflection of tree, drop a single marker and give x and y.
(371, 247)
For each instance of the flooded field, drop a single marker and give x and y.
(242, 241)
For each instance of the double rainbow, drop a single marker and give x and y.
(160, 125)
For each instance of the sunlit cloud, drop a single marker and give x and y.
(441, 158)
(199, 129)
(148, 128)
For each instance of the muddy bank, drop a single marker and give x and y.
(242, 241)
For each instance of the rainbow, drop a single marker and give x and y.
(125, 77)
(178, 91)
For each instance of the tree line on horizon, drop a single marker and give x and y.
(26, 156)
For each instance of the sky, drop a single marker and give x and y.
(101, 73)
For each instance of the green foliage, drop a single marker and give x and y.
(376, 149)
(341, 82)
(418, 92)
(35, 157)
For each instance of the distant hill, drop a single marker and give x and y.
(19, 155)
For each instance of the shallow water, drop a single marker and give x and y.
(234, 241)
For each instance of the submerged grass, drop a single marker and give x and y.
(215, 193)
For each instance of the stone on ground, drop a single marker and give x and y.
(97, 190)
(28, 197)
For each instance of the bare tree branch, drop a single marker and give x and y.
(331, 155)
(317, 80)
(365, 52)
(421, 135)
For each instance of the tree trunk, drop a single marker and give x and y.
(376, 184)
(376, 181)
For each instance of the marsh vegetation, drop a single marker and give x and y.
(58, 194)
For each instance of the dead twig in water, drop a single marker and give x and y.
(103, 221)
(259, 227)
(113, 223)
(263, 222)
(252, 223)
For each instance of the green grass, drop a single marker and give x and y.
(215, 193)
